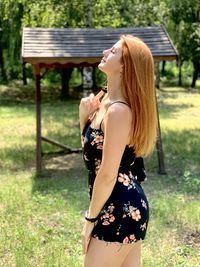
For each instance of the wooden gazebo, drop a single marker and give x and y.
(63, 48)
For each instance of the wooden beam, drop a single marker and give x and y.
(38, 120)
(56, 143)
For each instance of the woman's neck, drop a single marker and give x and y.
(114, 88)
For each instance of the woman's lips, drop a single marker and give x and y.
(103, 60)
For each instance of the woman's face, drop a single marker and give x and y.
(111, 61)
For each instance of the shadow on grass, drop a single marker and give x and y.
(64, 175)
(18, 107)
(17, 157)
(169, 111)
(182, 150)
(22, 157)
(182, 161)
(26, 93)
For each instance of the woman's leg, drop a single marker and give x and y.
(134, 256)
(106, 254)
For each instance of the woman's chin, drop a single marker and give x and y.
(101, 66)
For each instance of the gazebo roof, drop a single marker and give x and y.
(84, 46)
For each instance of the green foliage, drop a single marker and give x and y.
(54, 13)
(170, 78)
(185, 17)
(16, 14)
(11, 13)
(181, 17)
(119, 13)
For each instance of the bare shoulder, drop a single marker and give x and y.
(119, 114)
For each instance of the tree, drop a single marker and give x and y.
(3, 73)
(185, 16)
(11, 13)
(195, 51)
(120, 13)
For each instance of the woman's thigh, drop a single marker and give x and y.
(133, 259)
(103, 254)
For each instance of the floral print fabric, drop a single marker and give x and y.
(124, 217)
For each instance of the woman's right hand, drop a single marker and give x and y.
(89, 104)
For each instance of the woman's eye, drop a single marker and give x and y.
(112, 51)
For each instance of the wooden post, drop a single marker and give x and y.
(38, 120)
(157, 69)
(159, 147)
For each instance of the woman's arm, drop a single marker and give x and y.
(83, 119)
(117, 126)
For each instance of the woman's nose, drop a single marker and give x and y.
(106, 52)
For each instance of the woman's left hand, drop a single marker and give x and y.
(86, 235)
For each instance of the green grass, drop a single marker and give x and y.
(41, 218)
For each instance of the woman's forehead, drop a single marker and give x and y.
(118, 44)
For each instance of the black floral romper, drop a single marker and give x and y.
(124, 217)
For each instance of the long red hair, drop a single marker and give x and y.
(139, 91)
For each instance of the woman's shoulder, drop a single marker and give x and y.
(119, 113)
(119, 108)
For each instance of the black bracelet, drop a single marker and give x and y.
(90, 219)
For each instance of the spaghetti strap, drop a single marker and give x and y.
(107, 109)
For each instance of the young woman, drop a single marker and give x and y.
(118, 129)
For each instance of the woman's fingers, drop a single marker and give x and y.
(95, 99)
(85, 244)
(86, 235)
(91, 103)
(91, 98)
(99, 95)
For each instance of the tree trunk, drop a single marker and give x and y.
(65, 77)
(87, 81)
(24, 73)
(3, 73)
(180, 63)
(163, 68)
(196, 66)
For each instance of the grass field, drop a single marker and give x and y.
(41, 218)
